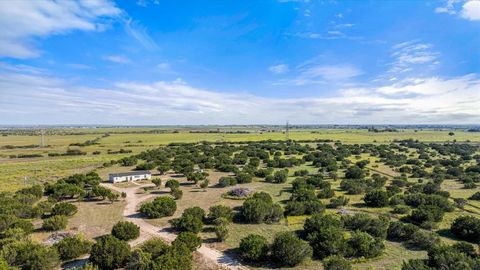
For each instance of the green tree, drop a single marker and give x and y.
(190, 239)
(254, 247)
(336, 263)
(157, 182)
(64, 208)
(289, 250)
(55, 223)
(72, 247)
(110, 253)
(376, 198)
(160, 207)
(125, 230)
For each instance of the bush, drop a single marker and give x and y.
(155, 246)
(139, 260)
(362, 244)
(280, 176)
(376, 227)
(376, 198)
(55, 223)
(177, 193)
(160, 207)
(226, 181)
(64, 208)
(221, 229)
(30, 255)
(475, 196)
(401, 209)
(72, 247)
(336, 263)
(110, 253)
(191, 220)
(254, 247)
(426, 214)
(399, 231)
(220, 211)
(125, 230)
(289, 250)
(327, 240)
(338, 201)
(466, 228)
(423, 240)
(260, 208)
(190, 239)
(354, 172)
(318, 222)
(243, 178)
(172, 184)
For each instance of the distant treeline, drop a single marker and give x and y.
(220, 131)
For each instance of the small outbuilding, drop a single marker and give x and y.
(129, 176)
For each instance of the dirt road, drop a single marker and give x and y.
(135, 198)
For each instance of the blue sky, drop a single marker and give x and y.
(239, 62)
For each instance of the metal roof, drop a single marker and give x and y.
(129, 173)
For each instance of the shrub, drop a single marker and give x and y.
(318, 222)
(401, 209)
(72, 247)
(243, 178)
(466, 228)
(289, 250)
(338, 201)
(160, 207)
(426, 213)
(336, 263)
(177, 193)
(110, 253)
(55, 223)
(423, 240)
(139, 260)
(191, 220)
(362, 244)
(220, 211)
(399, 231)
(155, 246)
(125, 230)
(280, 176)
(260, 208)
(226, 181)
(327, 241)
(475, 196)
(157, 182)
(221, 229)
(354, 172)
(254, 247)
(172, 184)
(376, 227)
(30, 255)
(376, 198)
(190, 239)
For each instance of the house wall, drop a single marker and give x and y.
(130, 178)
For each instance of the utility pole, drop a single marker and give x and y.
(287, 128)
(42, 133)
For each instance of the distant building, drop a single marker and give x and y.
(129, 176)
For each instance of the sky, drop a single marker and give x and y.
(159, 62)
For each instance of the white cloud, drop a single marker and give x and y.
(119, 59)
(412, 55)
(22, 21)
(28, 98)
(139, 33)
(311, 72)
(279, 69)
(471, 10)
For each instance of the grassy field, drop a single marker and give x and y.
(45, 168)
(94, 219)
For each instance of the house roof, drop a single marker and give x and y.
(130, 173)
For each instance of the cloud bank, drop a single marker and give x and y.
(31, 97)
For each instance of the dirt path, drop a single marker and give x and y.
(147, 230)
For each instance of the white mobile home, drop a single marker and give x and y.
(129, 176)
